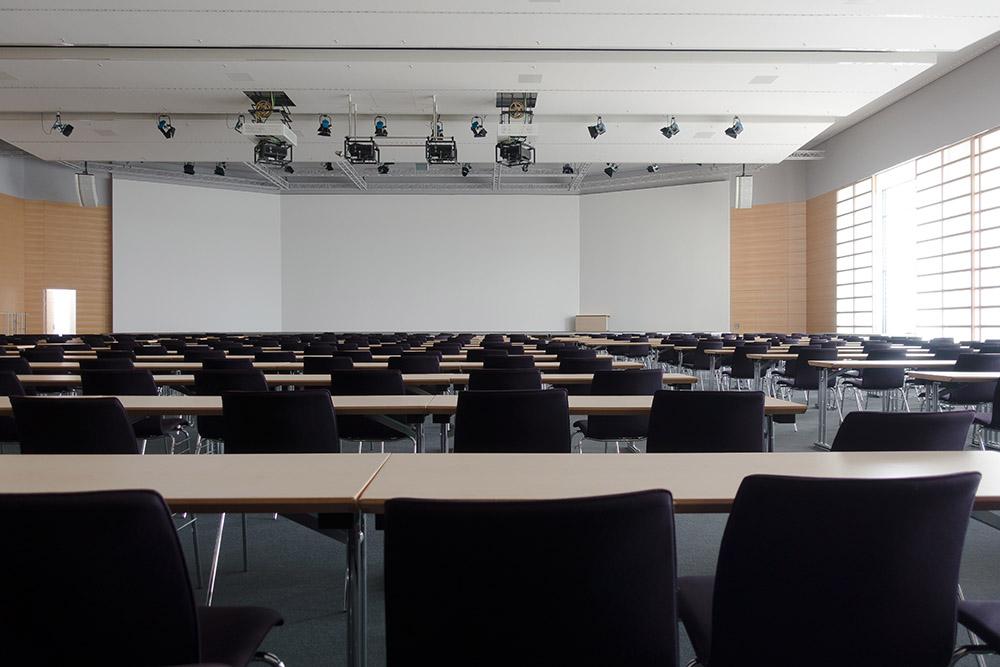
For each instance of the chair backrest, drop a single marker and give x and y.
(807, 375)
(275, 355)
(44, 353)
(741, 367)
(113, 363)
(367, 382)
(322, 365)
(444, 560)
(115, 354)
(17, 365)
(622, 383)
(884, 378)
(903, 431)
(203, 354)
(422, 363)
(876, 559)
(706, 421)
(356, 355)
(73, 426)
(118, 382)
(11, 386)
(576, 353)
(88, 570)
(585, 364)
(320, 348)
(972, 393)
(481, 354)
(495, 379)
(280, 422)
(213, 382)
(529, 421)
(149, 350)
(510, 361)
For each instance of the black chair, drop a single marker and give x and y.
(706, 421)
(16, 365)
(805, 376)
(44, 353)
(226, 364)
(888, 383)
(513, 421)
(215, 383)
(118, 553)
(833, 572)
(618, 429)
(576, 353)
(325, 365)
(275, 355)
(356, 355)
(897, 432)
(972, 393)
(135, 382)
(741, 368)
(107, 364)
(443, 560)
(150, 350)
(115, 354)
(9, 386)
(482, 354)
(368, 382)
(510, 361)
(416, 363)
(496, 379)
(203, 354)
(320, 349)
(72, 426)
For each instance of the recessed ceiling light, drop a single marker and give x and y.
(763, 79)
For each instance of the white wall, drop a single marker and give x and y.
(959, 104)
(28, 177)
(430, 262)
(195, 259)
(657, 259)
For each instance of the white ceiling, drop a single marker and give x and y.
(789, 68)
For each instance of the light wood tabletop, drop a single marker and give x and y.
(230, 482)
(698, 482)
(954, 376)
(323, 380)
(617, 405)
(293, 366)
(843, 364)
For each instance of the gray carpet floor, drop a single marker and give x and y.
(301, 573)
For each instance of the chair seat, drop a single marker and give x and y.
(231, 635)
(983, 618)
(694, 607)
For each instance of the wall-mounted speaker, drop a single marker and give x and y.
(744, 192)
(86, 189)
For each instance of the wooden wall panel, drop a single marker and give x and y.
(821, 263)
(11, 254)
(768, 267)
(60, 246)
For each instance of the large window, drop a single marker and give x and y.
(934, 237)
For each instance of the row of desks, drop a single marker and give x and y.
(293, 366)
(361, 484)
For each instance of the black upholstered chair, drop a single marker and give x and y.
(510, 361)
(618, 429)
(203, 354)
(275, 355)
(524, 421)
(876, 559)
(972, 393)
(443, 560)
(325, 365)
(44, 353)
(228, 363)
(72, 426)
(106, 364)
(706, 421)
(9, 386)
(368, 382)
(101, 579)
(481, 354)
(496, 379)
(215, 383)
(899, 431)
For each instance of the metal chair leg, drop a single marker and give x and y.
(197, 551)
(243, 521)
(214, 570)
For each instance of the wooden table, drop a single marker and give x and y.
(824, 376)
(228, 483)
(294, 366)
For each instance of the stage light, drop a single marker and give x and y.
(289, 169)
(611, 169)
(653, 168)
(328, 166)
(568, 169)
(736, 128)
(189, 168)
(466, 168)
(597, 129)
(220, 169)
(477, 126)
(325, 125)
(671, 129)
(165, 127)
(64, 129)
(384, 168)
(381, 126)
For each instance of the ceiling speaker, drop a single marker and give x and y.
(86, 189)
(744, 192)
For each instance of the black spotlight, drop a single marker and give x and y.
(736, 128)
(328, 166)
(289, 169)
(653, 168)
(568, 169)
(381, 126)
(466, 168)
(671, 129)
(597, 129)
(384, 168)
(220, 169)
(64, 129)
(189, 168)
(165, 127)
(611, 169)
(325, 125)
(478, 127)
